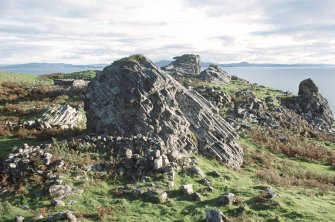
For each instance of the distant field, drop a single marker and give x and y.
(16, 77)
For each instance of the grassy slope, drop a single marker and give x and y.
(16, 77)
(296, 203)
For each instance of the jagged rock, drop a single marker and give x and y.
(133, 96)
(311, 105)
(214, 74)
(64, 116)
(307, 87)
(187, 64)
(215, 215)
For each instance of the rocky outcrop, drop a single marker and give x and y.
(215, 74)
(311, 105)
(64, 117)
(133, 96)
(187, 64)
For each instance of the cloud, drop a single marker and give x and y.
(87, 31)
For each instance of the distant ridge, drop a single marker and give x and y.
(62, 66)
(49, 65)
(247, 64)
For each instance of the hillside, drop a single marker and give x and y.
(287, 173)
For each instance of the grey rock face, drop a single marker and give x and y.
(307, 87)
(187, 64)
(133, 96)
(311, 105)
(215, 74)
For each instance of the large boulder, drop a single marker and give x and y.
(215, 74)
(187, 64)
(312, 105)
(133, 96)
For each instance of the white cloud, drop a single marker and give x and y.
(88, 31)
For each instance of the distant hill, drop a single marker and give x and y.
(246, 64)
(49, 66)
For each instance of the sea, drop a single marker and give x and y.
(288, 78)
(283, 78)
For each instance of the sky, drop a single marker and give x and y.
(222, 31)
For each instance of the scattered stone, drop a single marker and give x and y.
(184, 65)
(61, 191)
(187, 189)
(226, 199)
(215, 215)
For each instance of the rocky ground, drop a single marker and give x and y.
(193, 146)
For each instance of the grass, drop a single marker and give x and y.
(304, 184)
(6, 144)
(16, 77)
(291, 204)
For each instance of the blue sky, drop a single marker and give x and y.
(90, 31)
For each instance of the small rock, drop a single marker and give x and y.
(269, 193)
(226, 199)
(157, 195)
(19, 219)
(196, 170)
(215, 215)
(187, 189)
(63, 216)
(56, 202)
(196, 196)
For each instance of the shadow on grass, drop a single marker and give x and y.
(8, 143)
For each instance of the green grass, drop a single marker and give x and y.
(294, 203)
(6, 144)
(17, 77)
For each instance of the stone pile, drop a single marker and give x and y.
(64, 117)
(25, 161)
(133, 96)
(137, 154)
(187, 64)
(219, 99)
(214, 74)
